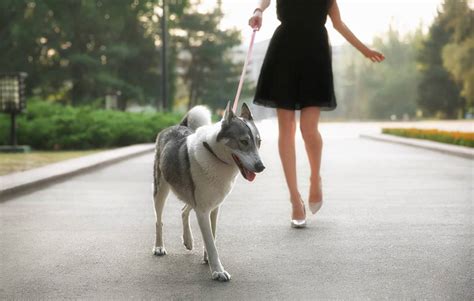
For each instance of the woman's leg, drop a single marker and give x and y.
(286, 147)
(314, 145)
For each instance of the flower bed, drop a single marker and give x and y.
(457, 138)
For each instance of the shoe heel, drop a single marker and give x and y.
(298, 223)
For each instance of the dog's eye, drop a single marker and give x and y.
(244, 142)
(259, 141)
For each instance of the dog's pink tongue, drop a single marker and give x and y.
(249, 175)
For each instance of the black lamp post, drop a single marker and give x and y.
(12, 101)
(164, 57)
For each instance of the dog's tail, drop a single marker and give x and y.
(197, 117)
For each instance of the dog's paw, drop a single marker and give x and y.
(159, 251)
(188, 241)
(205, 260)
(221, 276)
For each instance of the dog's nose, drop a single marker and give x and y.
(259, 167)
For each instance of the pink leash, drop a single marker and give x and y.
(242, 76)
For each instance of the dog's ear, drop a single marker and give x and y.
(245, 112)
(228, 113)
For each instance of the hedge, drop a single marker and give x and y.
(458, 138)
(49, 126)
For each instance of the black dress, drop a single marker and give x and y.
(297, 70)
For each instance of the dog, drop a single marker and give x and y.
(199, 161)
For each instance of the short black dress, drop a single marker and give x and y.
(297, 69)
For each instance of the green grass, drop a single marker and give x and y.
(14, 162)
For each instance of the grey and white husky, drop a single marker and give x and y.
(199, 162)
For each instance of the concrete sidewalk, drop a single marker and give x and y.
(36, 177)
(396, 224)
(444, 148)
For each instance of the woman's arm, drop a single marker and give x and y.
(339, 25)
(256, 20)
(263, 4)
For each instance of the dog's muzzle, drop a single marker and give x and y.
(259, 167)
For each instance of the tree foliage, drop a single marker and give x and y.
(77, 51)
(439, 94)
(80, 50)
(378, 91)
(458, 55)
(208, 71)
(424, 75)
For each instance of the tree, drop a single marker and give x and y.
(438, 93)
(393, 84)
(206, 65)
(77, 51)
(378, 91)
(458, 55)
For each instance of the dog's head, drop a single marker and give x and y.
(241, 139)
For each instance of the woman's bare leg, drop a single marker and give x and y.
(286, 147)
(314, 145)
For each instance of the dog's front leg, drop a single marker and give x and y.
(214, 214)
(217, 270)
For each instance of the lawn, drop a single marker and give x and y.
(13, 162)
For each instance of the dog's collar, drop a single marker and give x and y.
(208, 147)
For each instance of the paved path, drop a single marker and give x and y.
(397, 223)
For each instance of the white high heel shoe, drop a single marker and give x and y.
(299, 223)
(314, 207)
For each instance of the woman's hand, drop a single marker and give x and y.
(374, 56)
(256, 20)
(339, 25)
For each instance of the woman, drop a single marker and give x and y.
(297, 75)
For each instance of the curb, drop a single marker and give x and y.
(34, 178)
(455, 150)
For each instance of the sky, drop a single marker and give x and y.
(366, 18)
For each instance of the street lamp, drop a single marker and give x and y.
(164, 57)
(112, 99)
(12, 101)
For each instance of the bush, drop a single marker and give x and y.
(51, 126)
(458, 138)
